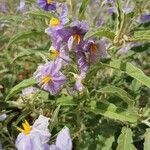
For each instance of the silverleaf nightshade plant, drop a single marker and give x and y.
(78, 64)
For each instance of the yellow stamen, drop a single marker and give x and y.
(54, 22)
(46, 79)
(77, 38)
(54, 53)
(26, 128)
(93, 48)
(49, 1)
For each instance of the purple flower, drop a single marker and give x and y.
(3, 7)
(22, 6)
(35, 137)
(56, 29)
(3, 117)
(144, 18)
(49, 77)
(63, 140)
(47, 5)
(58, 23)
(29, 91)
(127, 6)
(100, 21)
(60, 52)
(78, 30)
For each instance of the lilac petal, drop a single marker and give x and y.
(63, 17)
(53, 147)
(64, 141)
(29, 90)
(56, 67)
(144, 18)
(28, 142)
(70, 43)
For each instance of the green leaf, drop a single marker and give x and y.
(120, 15)
(131, 70)
(118, 92)
(100, 32)
(105, 142)
(23, 35)
(40, 14)
(83, 8)
(23, 54)
(11, 17)
(147, 140)
(54, 117)
(22, 117)
(111, 111)
(143, 35)
(125, 140)
(66, 101)
(20, 86)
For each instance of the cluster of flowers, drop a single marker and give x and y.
(36, 137)
(67, 40)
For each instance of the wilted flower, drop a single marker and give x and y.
(96, 50)
(79, 81)
(29, 91)
(3, 117)
(63, 140)
(49, 76)
(47, 5)
(82, 61)
(33, 137)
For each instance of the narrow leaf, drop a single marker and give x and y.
(147, 140)
(100, 32)
(23, 35)
(20, 86)
(40, 14)
(83, 8)
(54, 118)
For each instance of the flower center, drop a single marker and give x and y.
(46, 79)
(54, 22)
(49, 1)
(54, 53)
(93, 48)
(77, 38)
(26, 128)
